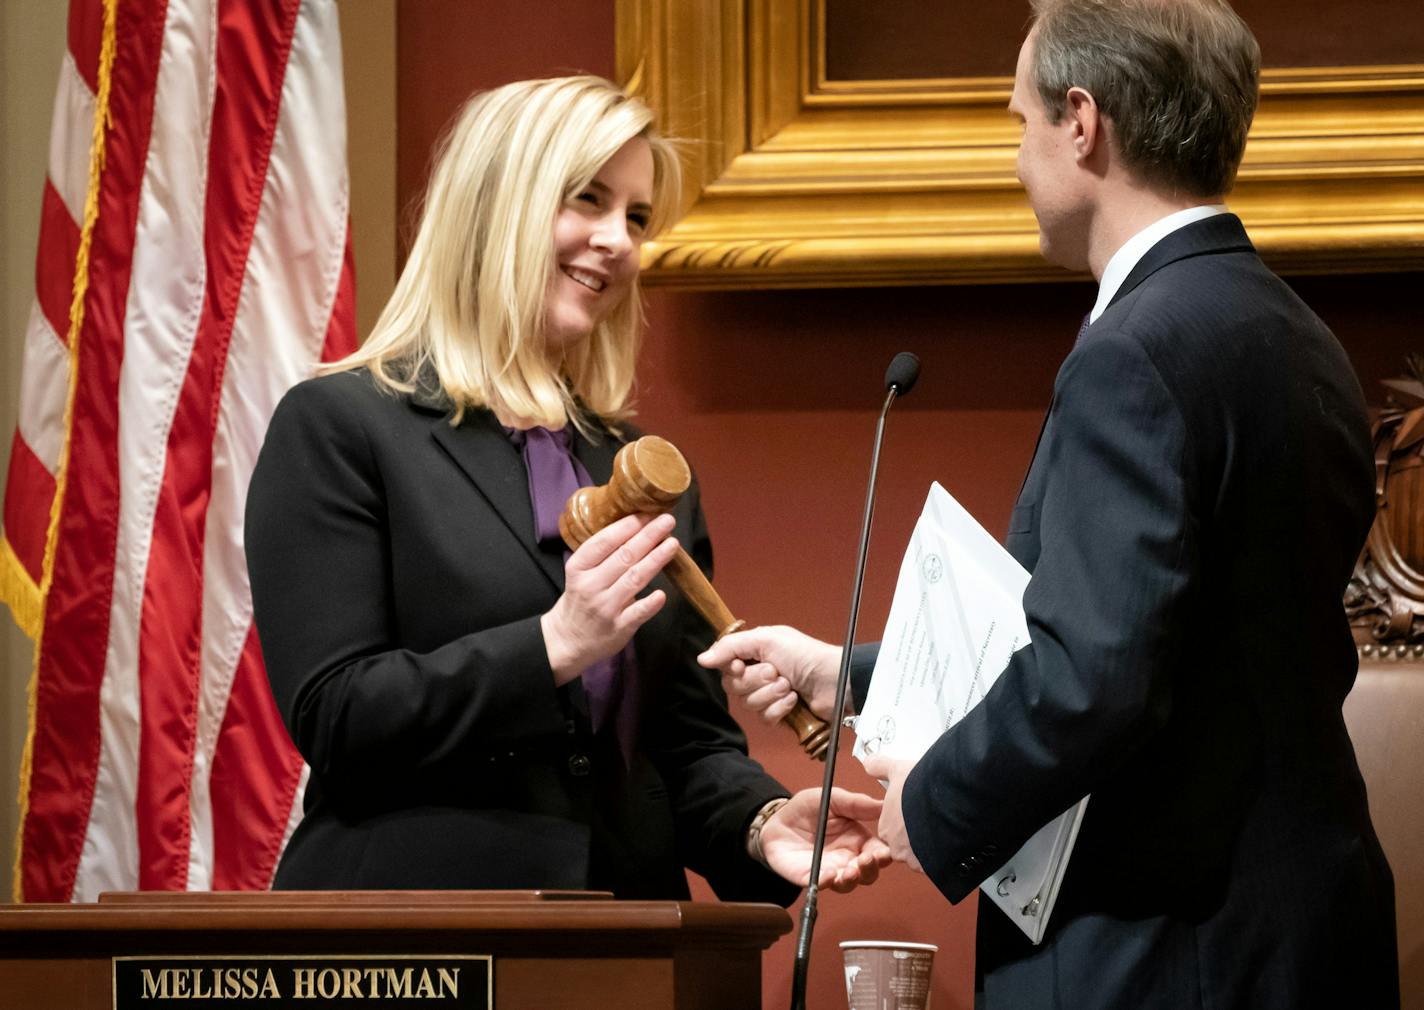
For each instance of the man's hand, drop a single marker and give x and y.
(852, 856)
(768, 667)
(892, 818)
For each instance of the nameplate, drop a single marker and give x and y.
(315, 982)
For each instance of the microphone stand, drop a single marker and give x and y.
(808, 910)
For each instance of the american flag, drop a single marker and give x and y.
(193, 264)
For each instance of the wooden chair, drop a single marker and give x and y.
(1385, 716)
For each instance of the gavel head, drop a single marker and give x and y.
(649, 476)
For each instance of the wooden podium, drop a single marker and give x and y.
(546, 950)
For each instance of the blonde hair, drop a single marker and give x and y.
(470, 302)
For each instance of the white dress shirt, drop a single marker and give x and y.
(1136, 247)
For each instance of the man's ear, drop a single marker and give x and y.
(1087, 122)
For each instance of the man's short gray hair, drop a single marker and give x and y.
(1178, 79)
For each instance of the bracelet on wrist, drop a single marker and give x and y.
(758, 823)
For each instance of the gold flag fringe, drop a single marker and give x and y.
(102, 122)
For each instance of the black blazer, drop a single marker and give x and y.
(397, 589)
(1200, 492)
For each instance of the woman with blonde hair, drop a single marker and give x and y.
(479, 708)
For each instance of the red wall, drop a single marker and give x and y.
(772, 397)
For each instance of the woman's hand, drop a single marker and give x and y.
(853, 854)
(600, 610)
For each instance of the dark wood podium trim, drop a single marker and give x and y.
(551, 950)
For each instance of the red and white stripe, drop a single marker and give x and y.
(220, 272)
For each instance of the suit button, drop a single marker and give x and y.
(579, 765)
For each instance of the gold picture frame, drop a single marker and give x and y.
(796, 181)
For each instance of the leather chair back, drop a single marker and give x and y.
(1385, 715)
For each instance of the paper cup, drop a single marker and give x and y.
(887, 974)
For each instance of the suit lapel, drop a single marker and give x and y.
(1220, 233)
(479, 447)
(597, 457)
(1038, 444)
(1217, 234)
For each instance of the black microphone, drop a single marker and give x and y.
(902, 374)
(899, 379)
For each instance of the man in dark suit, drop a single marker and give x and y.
(1200, 491)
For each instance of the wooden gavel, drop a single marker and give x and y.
(649, 476)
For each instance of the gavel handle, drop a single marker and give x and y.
(813, 733)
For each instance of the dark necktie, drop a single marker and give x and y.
(555, 473)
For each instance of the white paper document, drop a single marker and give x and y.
(956, 619)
